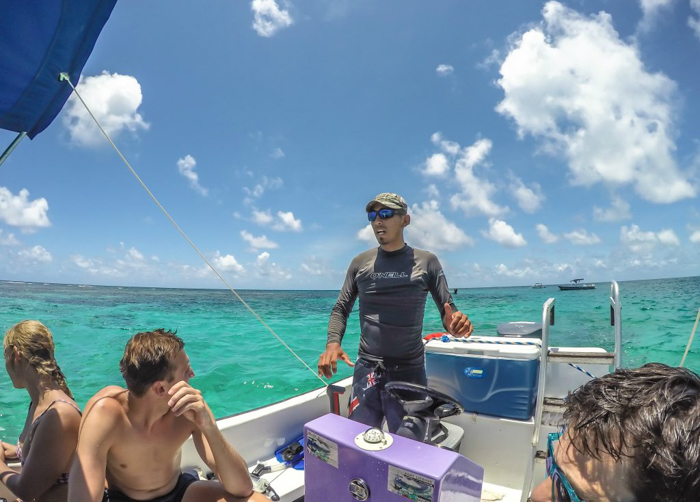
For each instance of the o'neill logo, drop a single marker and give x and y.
(389, 275)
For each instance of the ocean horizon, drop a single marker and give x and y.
(239, 365)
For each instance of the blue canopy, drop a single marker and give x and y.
(39, 39)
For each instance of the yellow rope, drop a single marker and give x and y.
(65, 77)
(690, 341)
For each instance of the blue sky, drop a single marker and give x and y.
(533, 141)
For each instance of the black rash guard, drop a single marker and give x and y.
(392, 287)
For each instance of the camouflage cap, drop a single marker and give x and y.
(390, 200)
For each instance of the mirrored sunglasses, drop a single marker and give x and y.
(383, 214)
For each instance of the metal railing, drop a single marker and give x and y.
(616, 320)
(547, 321)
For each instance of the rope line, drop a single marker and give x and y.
(690, 340)
(65, 76)
(448, 338)
(582, 370)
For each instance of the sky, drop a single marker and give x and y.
(533, 141)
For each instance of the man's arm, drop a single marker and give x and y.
(455, 322)
(211, 445)
(87, 475)
(328, 362)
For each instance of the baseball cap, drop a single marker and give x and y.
(390, 200)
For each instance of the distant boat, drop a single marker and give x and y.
(576, 284)
(538, 285)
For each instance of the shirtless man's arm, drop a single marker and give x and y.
(97, 434)
(220, 456)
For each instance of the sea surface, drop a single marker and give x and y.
(239, 365)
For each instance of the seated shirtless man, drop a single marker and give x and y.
(132, 438)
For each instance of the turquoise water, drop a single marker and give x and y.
(240, 366)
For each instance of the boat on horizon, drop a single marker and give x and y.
(576, 284)
(538, 285)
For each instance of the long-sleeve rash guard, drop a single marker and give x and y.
(392, 287)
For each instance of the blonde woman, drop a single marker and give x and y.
(46, 445)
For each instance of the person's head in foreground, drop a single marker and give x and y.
(154, 360)
(29, 357)
(388, 216)
(47, 443)
(631, 436)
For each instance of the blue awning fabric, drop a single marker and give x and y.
(39, 39)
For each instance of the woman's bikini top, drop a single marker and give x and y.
(63, 478)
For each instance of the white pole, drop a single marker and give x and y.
(690, 341)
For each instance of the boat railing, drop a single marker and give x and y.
(616, 321)
(547, 321)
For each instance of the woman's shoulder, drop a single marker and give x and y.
(60, 403)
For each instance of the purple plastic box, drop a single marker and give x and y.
(406, 470)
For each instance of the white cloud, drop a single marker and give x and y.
(259, 189)
(186, 167)
(262, 217)
(366, 234)
(619, 210)
(585, 93)
(268, 18)
(268, 269)
(436, 165)
(640, 242)
(450, 147)
(520, 273)
(444, 70)
(694, 18)
(114, 100)
(8, 240)
(134, 254)
(651, 9)
(277, 154)
(545, 235)
(261, 242)
(504, 234)
(227, 263)
(529, 198)
(668, 237)
(317, 266)
(19, 211)
(695, 237)
(287, 222)
(37, 254)
(475, 195)
(432, 191)
(581, 237)
(131, 263)
(430, 229)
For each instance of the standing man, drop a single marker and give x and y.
(392, 282)
(131, 439)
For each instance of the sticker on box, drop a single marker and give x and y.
(474, 373)
(322, 448)
(410, 485)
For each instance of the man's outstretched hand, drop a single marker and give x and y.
(458, 323)
(328, 362)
